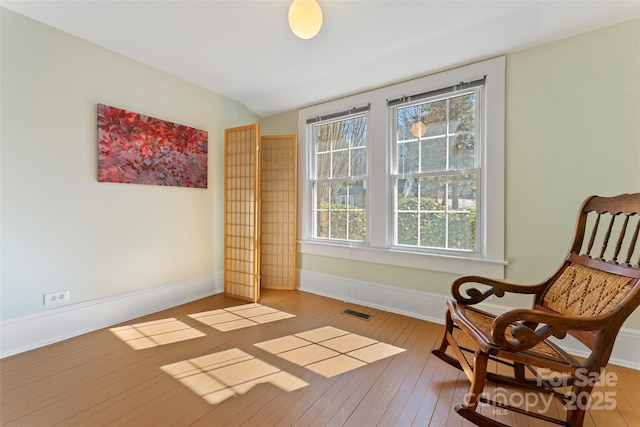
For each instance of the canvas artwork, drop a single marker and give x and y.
(138, 149)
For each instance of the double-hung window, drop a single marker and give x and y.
(339, 175)
(436, 171)
(416, 179)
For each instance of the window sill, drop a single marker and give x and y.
(435, 262)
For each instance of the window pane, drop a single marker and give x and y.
(461, 231)
(462, 117)
(407, 117)
(357, 194)
(407, 228)
(434, 155)
(340, 164)
(462, 207)
(357, 224)
(462, 113)
(358, 132)
(462, 151)
(338, 223)
(432, 193)
(323, 166)
(322, 223)
(462, 192)
(432, 229)
(408, 157)
(407, 189)
(338, 194)
(435, 117)
(322, 192)
(356, 212)
(323, 138)
(358, 162)
(338, 211)
(341, 141)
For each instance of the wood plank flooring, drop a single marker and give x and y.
(182, 371)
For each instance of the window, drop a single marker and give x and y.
(437, 145)
(411, 180)
(339, 177)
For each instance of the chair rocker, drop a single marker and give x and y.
(588, 297)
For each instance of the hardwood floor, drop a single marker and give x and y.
(195, 365)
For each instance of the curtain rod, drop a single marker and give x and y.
(354, 110)
(450, 89)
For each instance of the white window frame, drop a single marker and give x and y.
(478, 91)
(378, 249)
(312, 172)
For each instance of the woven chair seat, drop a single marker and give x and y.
(482, 321)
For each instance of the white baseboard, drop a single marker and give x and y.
(36, 330)
(431, 307)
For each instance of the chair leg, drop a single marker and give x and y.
(468, 409)
(480, 361)
(448, 328)
(444, 344)
(518, 371)
(575, 414)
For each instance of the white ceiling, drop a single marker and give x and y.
(245, 50)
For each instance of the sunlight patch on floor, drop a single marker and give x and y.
(329, 351)
(219, 376)
(241, 316)
(158, 332)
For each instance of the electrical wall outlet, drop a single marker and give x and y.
(56, 297)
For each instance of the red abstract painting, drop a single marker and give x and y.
(138, 149)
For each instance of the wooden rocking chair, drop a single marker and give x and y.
(588, 297)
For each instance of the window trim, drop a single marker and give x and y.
(378, 248)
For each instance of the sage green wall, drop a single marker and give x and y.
(572, 130)
(281, 124)
(60, 228)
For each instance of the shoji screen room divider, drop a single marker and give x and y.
(259, 212)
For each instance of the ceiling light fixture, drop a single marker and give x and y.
(305, 18)
(418, 129)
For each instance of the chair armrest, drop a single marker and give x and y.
(523, 336)
(496, 287)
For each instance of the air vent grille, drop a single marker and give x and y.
(357, 314)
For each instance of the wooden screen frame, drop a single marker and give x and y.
(241, 207)
(278, 183)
